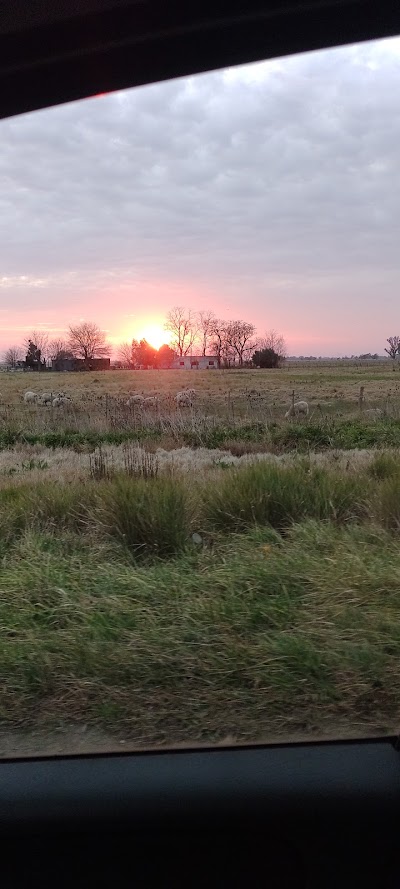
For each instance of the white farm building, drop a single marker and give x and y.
(195, 362)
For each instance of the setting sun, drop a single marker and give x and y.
(154, 334)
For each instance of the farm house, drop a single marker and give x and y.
(195, 362)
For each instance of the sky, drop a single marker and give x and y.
(268, 192)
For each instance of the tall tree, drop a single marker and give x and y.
(88, 341)
(12, 356)
(218, 336)
(134, 353)
(206, 322)
(40, 339)
(394, 346)
(183, 327)
(144, 354)
(165, 356)
(240, 338)
(33, 358)
(125, 354)
(58, 349)
(275, 341)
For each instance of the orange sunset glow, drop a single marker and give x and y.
(154, 333)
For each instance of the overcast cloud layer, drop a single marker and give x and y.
(269, 192)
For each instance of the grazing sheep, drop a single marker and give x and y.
(151, 401)
(296, 409)
(374, 412)
(45, 398)
(135, 400)
(184, 399)
(191, 393)
(60, 400)
(30, 397)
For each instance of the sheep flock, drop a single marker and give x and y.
(140, 402)
(51, 399)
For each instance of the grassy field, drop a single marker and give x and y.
(191, 577)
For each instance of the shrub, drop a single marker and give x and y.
(148, 516)
(268, 494)
(384, 466)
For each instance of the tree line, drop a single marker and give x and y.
(231, 342)
(85, 341)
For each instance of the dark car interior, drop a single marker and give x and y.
(298, 815)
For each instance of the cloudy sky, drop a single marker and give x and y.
(268, 192)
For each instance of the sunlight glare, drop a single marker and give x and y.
(154, 334)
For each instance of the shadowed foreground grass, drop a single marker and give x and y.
(196, 430)
(284, 620)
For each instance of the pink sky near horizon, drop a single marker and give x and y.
(129, 308)
(132, 317)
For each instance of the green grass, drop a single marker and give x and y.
(303, 436)
(147, 516)
(257, 635)
(266, 494)
(284, 619)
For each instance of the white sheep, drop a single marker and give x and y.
(191, 393)
(374, 412)
(45, 398)
(297, 409)
(60, 400)
(184, 399)
(30, 397)
(135, 400)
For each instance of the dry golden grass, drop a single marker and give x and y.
(339, 386)
(36, 464)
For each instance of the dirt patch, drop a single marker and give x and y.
(75, 740)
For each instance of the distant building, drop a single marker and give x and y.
(78, 364)
(195, 362)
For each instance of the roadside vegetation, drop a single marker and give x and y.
(192, 431)
(255, 602)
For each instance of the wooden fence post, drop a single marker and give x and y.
(361, 398)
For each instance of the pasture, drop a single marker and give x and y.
(190, 574)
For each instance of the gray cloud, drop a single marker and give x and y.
(274, 180)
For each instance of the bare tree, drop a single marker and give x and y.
(12, 356)
(394, 346)
(183, 327)
(218, 334)
(87, 341)
(58, 349)
(41, 340)
(240, 338)
(275, 341)
(206, 322)
(125, 353)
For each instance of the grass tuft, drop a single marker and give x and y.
(268, 494)
(148, 516)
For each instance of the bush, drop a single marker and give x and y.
(148, 516)
(384, 466)
(266, 358)
(266, 494)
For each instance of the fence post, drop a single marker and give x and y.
(361, 398)
(293, 402)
